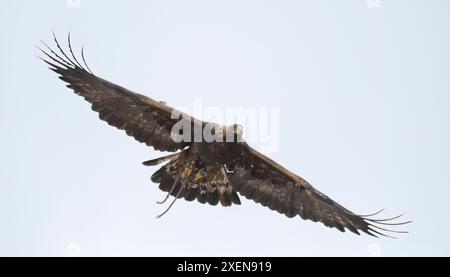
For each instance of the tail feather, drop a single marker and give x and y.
(212, 196)
(191, 194)
(207, 184)
(201, 196)
(166, 184)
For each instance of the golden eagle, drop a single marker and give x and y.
(212, 172)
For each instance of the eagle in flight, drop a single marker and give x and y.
(210, 171)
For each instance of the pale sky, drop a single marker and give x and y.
(363, 96)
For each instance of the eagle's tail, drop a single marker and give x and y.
(184, 176)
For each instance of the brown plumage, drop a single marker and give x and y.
(209, 172)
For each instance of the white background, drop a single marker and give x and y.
(364, 106)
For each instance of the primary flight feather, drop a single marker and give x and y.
(211, 172)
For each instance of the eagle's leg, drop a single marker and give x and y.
(171, 191)
(175, 183)
(165, 198)
(159, 161)
(183, 177)
(173, 202)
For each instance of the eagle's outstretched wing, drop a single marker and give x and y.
(147, 120)
(261, 179)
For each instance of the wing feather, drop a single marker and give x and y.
(143, 118)
(259, 178)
